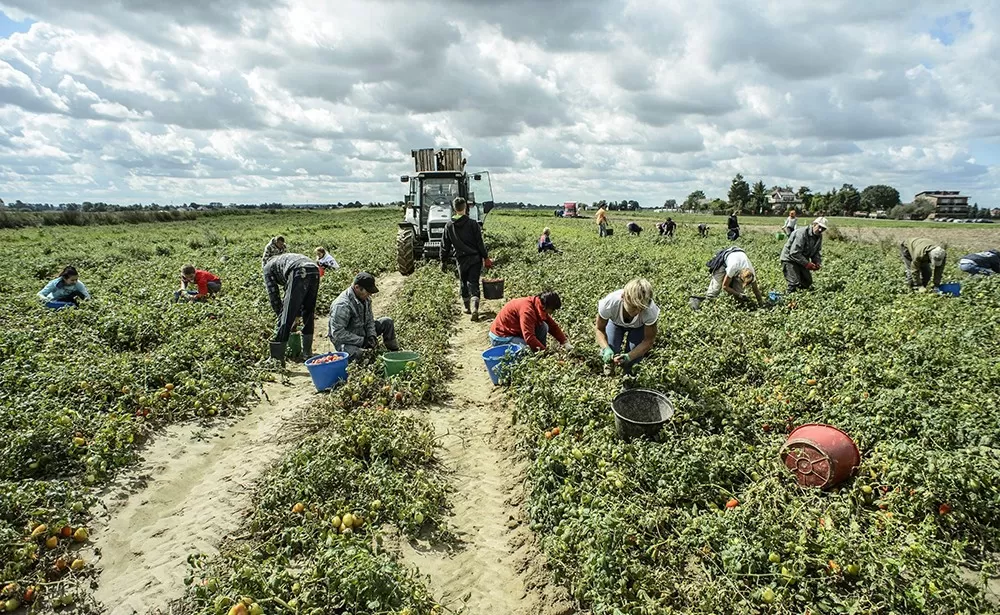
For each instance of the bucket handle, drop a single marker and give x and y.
(801, 468)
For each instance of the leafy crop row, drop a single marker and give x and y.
(707, 520)
(369, 459)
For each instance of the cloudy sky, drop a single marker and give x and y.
(322, 100)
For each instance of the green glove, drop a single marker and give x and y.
(607, 354)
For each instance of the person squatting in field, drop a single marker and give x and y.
(528, 321)
(981, 263)
(299, 276)
(667, 228)
(67, 288)
(275, 247)
(353, 327)
(545, 242)
(626, 317)
(919, 256)
(207, 284)
(803, 254)
(732, 272)
(463, 240)
(634, 229)
(703, 230)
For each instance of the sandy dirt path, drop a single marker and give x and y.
(497, 567)
(193, 487)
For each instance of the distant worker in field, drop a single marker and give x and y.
(528, 321)
(703, 230)
(601, 218)
(207, 284)
(733, 227)
(353, 327)
(325, 260)
(273, 248)
(298, 275)
(626, 325)
(733, 273)
(67, 288)
(981, 263)
(545, 242)
(790, 222)
(463, 240)
(919, 256)
(667, 228)
(803, 254)
(634, 229)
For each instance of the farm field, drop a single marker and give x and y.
(625, 528)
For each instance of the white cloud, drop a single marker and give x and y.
(320, 100)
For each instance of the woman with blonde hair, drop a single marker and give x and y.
(790, 222)
(732, 273)
(626, 317)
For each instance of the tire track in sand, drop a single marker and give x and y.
(497, 568)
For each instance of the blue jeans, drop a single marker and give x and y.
(617, 336)
(541, 332)
(974, 269)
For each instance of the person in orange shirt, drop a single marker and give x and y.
(528, 321)
(602, 222)
(208, 284)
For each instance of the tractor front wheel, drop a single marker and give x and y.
(404, 250)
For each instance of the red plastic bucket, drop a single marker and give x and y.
(820, 455)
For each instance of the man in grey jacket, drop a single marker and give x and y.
(353, 327)
(802, 254)
(299, 276)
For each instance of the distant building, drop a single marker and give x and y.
(946, 203)
(783, 200)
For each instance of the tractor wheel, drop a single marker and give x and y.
(404, 250)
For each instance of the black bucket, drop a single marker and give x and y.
(493, 289)
(640, 413)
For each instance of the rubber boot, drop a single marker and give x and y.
(307, 347)
(278, 352)
(465, 300)
(391, 345)
(475, 309)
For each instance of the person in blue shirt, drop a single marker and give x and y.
(545, 242)
(66, 288)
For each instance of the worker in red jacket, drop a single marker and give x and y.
(208, 284)
(528, 321)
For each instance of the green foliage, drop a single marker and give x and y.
(879, 198)
(643, 527)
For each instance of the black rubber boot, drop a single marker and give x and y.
(278, 352)
(391, 345)
(475, 309)
(466, 302)
(307, 347)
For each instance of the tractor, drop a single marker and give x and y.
(440, 178)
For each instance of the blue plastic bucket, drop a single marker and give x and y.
(59, 305)
(774, 296)
(952, 288)
(327, 375)
(498, 355)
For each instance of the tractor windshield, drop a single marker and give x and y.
(438, 195)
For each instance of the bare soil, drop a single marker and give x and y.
(496, 567)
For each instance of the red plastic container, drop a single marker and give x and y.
(820, 455)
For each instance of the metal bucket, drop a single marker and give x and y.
(640, 413)
(820, 455)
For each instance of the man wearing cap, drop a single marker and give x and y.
(299, 276)
(353, 328)
(802, 254)
(919, 255)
